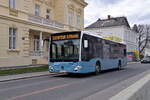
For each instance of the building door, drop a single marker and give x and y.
(46, 48)
(36, 43)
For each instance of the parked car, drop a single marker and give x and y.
(145, 60)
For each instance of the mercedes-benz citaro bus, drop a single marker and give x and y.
(85, 52)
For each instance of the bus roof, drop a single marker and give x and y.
(89, 32)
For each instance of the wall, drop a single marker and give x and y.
(131, 39)
(138, 91)
(78, 9)
(19, 56)
(147, 51)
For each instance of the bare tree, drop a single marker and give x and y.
(143, 37)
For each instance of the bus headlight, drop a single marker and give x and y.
(51, 68)
(77, 68)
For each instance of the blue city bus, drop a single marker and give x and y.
(85, 52)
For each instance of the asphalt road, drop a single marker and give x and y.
(67, 87)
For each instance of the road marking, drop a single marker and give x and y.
(41, 91)
(27, 85)
(46, 90)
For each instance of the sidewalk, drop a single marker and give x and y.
(24, 76)
(134, 62)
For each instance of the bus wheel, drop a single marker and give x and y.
(119, 65)
(97, 68)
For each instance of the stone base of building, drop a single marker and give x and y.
(14, 61)
(21, 61)
(39, 61)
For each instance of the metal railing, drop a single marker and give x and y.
(44, 21)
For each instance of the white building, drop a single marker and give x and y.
(117, 29)
(147, 52)
(147, 49)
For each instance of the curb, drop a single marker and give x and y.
(109, 92)
(26, 77)
(137, 91)
(133, 63)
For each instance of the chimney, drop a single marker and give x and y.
(109, 16)
(99, 19)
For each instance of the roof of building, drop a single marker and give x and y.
(115, 21)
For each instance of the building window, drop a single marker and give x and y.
(12, 4)
(37, 10)
(36, 42)
(48, 13)
(78, 20)
(70, 17)
(12, 38)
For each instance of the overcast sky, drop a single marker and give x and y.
(137, 11)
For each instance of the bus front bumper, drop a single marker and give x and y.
(77, 69)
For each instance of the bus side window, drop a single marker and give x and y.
(106, 50)
(125, 52)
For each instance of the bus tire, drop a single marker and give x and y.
(97, 68)
(119, 65)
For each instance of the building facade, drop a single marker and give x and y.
(116, 29)
(26, 25)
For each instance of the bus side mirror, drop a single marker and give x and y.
(85, 44)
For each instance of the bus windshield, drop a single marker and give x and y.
(65, 50)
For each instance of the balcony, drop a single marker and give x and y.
(45, 22)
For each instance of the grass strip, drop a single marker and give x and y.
(23, 70)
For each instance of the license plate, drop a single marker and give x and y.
(62, 71)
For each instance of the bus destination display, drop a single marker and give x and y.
(64, 37)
